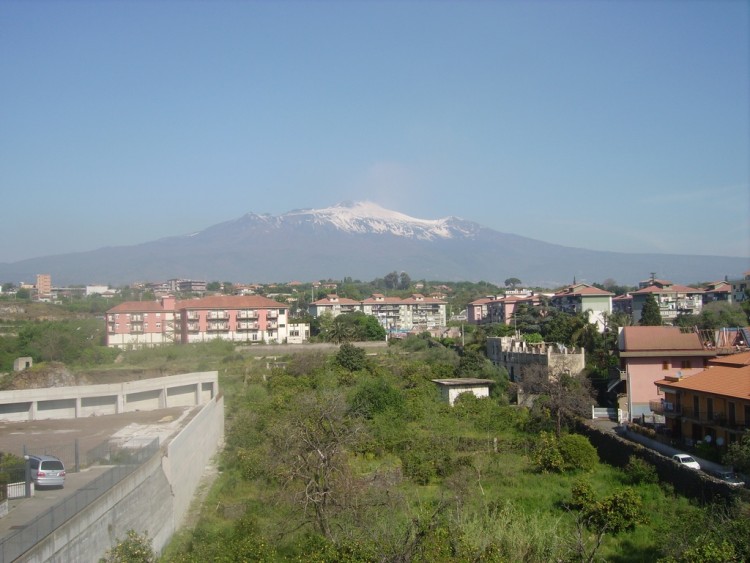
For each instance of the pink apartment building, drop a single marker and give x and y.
(243, 318)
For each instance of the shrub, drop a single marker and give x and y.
(577, 452)
(135, 548)
(639, 471)
(546, 455)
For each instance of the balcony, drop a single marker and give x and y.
(247, 326)
(217, 327)
(273, 314)
(247, 314)
(136, 318)
(193, 327)
(217, 315)
(272, 325)
(193, 316)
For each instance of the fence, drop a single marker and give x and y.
(618, 415)
(14, 545)
(67, 453)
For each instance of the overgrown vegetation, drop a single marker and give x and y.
(335, 461)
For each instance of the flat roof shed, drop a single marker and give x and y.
(450, 389)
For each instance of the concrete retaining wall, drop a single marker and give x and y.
(152, 500)
(87, 400)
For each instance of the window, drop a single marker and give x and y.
(696, 406)
(665, 366)
(686, 364)
(710, 408)
(731, 408)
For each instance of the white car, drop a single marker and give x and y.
(686, 460)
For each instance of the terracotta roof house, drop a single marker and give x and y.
(717, 291)
(584, 298)
(673, 300)
(650, 353)
(712, 405)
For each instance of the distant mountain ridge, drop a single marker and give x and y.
(362, 240)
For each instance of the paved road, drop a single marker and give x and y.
(21, 511)
(655, 445)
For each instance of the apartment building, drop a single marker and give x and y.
(333, 305)
(673, 300)
(241, 318)
(476, 311)
(43, 287)
(584, 298)
(712, 405)
(413, 313)
(395, 314)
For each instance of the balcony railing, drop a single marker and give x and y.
(193, 327)
(701, 416)
(220, 315)
(217, 327)
(247, 314)
(193, 316)
(272, 325)
(272, 314)
(247, 326)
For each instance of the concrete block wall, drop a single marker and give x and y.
(187, 389)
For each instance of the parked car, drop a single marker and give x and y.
(686, 460)
(47, 471)
(729, 477)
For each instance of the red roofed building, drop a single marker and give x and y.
(712, 405)
(394, 313)
(333, 305)
(476, 311)
(239, 318)
(584, 298)
(673, 300)
(649, 354)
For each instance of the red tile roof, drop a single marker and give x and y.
(581, 289)
(736, 360)
(670, 289)
(658, 338)
(720, 380)
(230, 302)
(137, 307)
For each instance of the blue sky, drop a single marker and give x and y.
(609, 125)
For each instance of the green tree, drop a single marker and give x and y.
(616, 513)
(512, 282)
(738, 454)
(650, 315)
(351, 358)
(404, 281)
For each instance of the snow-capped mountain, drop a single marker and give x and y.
(367, 217)
(362, 240)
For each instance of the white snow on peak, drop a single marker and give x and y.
(366, 216)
